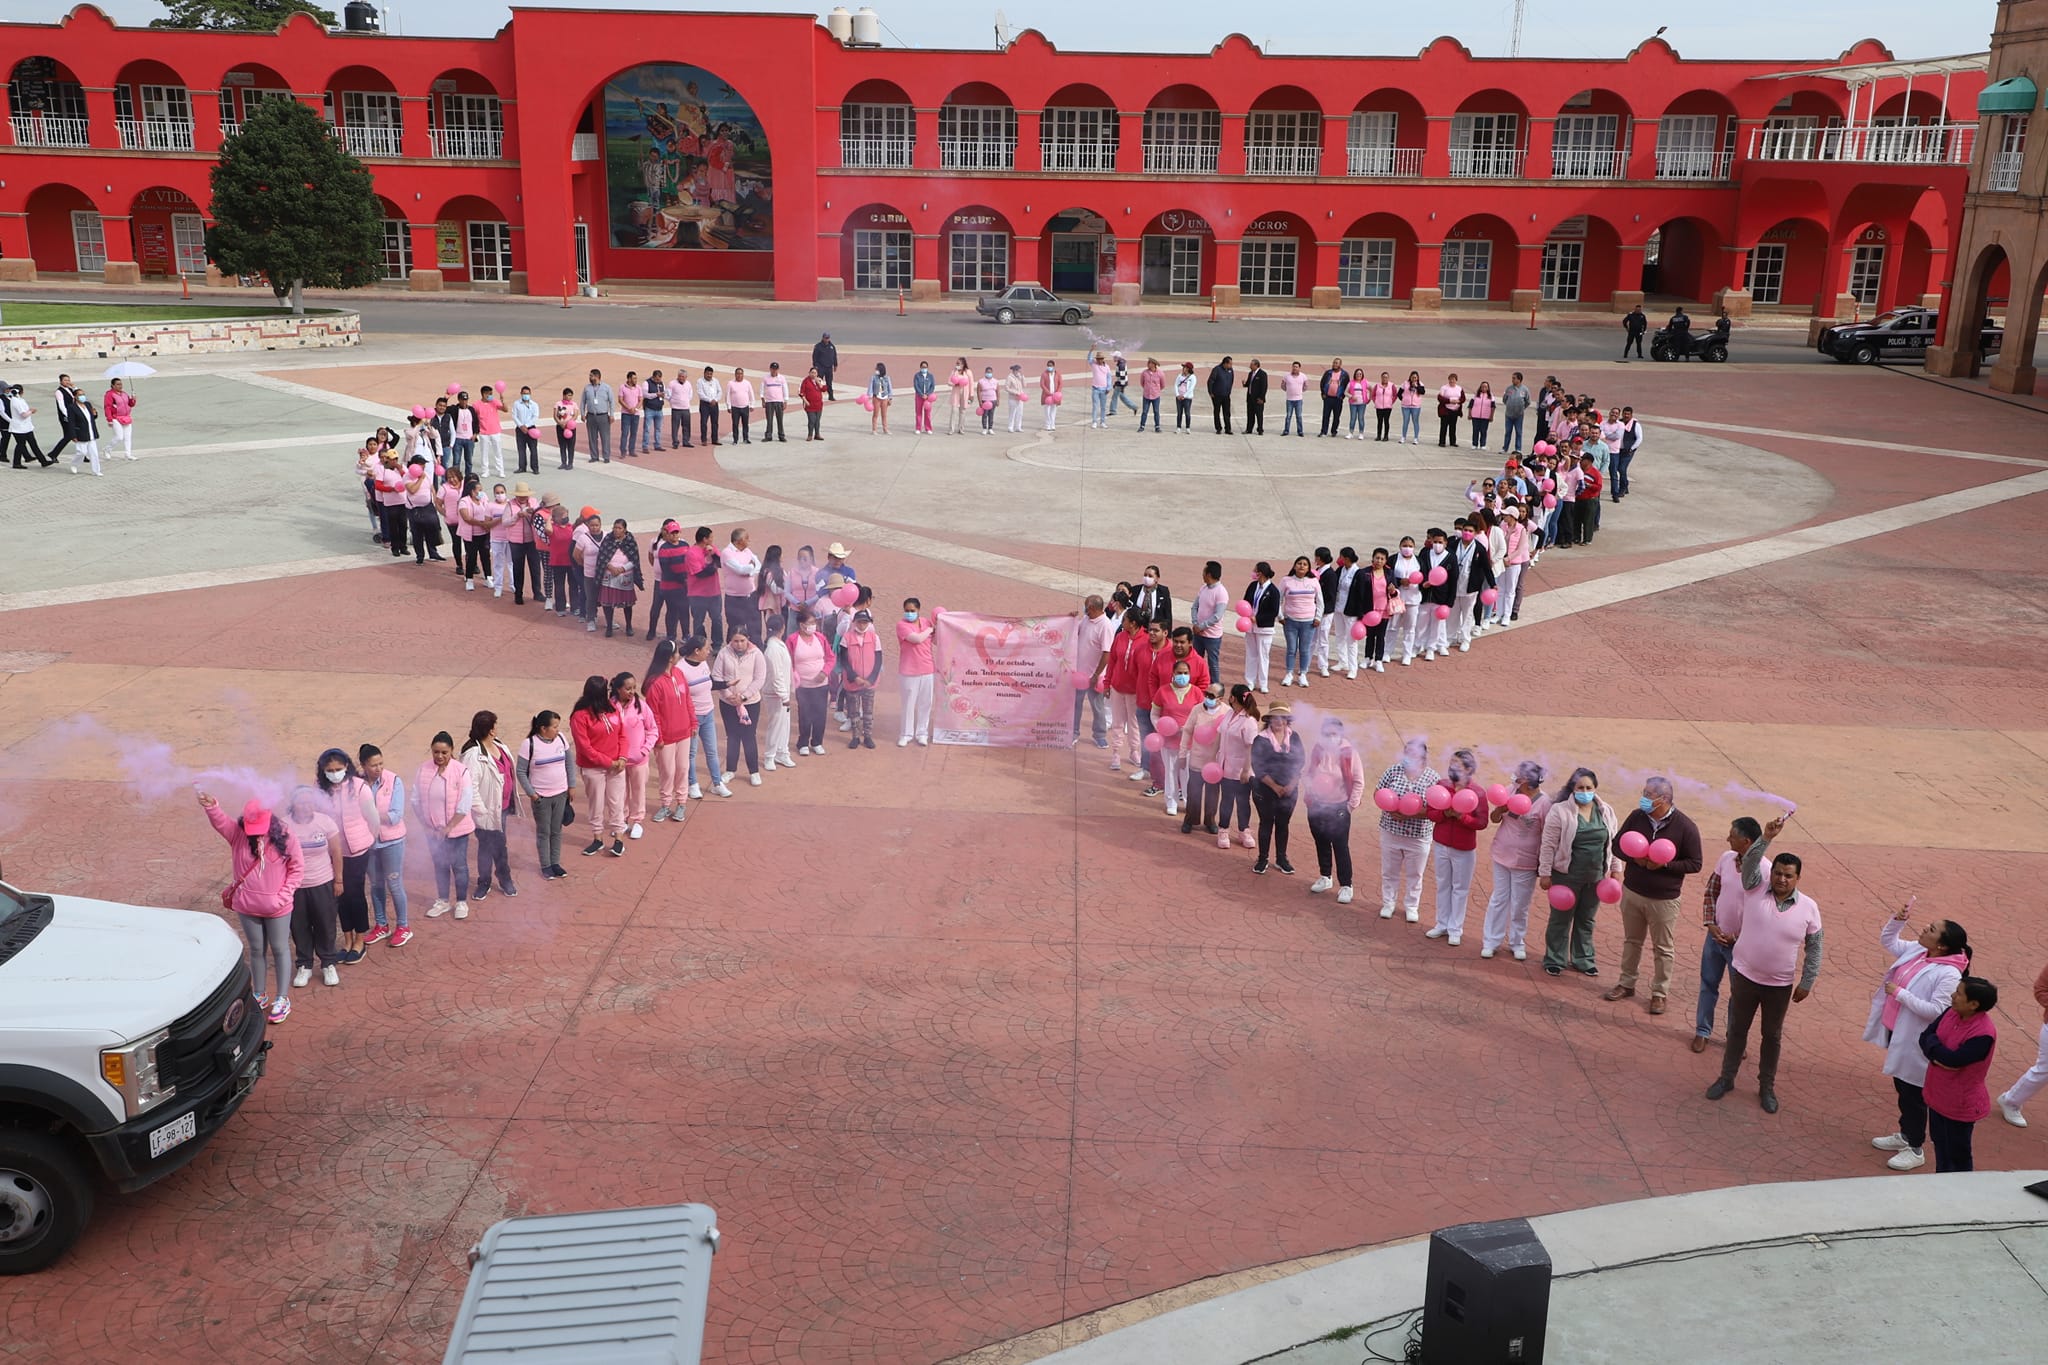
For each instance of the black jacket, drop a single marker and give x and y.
(1255, 384)
(71, 415)
(824, 357)
(1635, 324)
(1161, 609)
(1221, 380)
(1328, 579)
(1358, 601)
(1481, 576)
(1343, 383)
(1265, 600)
(1447, 592)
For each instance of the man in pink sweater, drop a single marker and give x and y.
(1774, 923)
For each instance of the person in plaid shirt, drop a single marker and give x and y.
(1404, 839)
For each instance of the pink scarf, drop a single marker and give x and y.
(1906, 968)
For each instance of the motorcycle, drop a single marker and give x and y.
(1712, 347)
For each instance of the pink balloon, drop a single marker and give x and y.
(1547, 485)
(1358, 630)
(503, 388)
(454, 389)
(1519, 804)
(1410, 804)
(1438, 797)
(568, 428)
(1561, 897)
(1415, 578)
(1549, 502)
(1608, 891)
(938, 611)
(1498, 794)
(1663, 851)
(419, 410)
(1371, 618)
(1489, 595)
(1386, 798)
(1633, 843)
(1205, 734)
(1443, 613)
(1244, 608)
(1212, 773)
(1167, 726)
(1438, 576)
(1153, 743)
(1464, 801)
(846, 596)
(1244, 624)
(1080, 680)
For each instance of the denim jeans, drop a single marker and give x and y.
(1210, 647)
(463, 452)
(1511, 431)
(387, 874)
(1098, 405)
(629, 433)
(1151, 406)
(1411, 423)
(652, 431)
(1300, 636)
(1358, 419)
(451, 865)
(1121, 396)
(706, 743)
(1099, 707)
(1714, 960)
(1293, 418)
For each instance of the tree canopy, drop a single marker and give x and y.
(290, 203)
(237, 14)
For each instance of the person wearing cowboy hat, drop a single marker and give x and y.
(519, 547)
(835, 562)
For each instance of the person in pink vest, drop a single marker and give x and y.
(352, 805)
(1959, 1047)
(386, 876)
(599, 733)
(643, 732)
(1383, 399)
(1773, 923)
(1049, 394)
(445, 800)
(268, 870)
(810, 665)
(118, 406)
(1921, 973)
(315, 939)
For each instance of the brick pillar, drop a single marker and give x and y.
(1642, 151)
(1734, 270)
(205, 120)
(1129, 286)
(1225, 290)
(1324, 291)
(1024, 266)
(1628, 279)
(412, 133)
(99, 112)
(1336, 145)
(426, 260)
(118, 232)
(1830, 304)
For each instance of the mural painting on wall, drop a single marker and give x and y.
(686, 163)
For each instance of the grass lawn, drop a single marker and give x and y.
(38, 314)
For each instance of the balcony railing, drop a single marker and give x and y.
(50, 130)
(371, 139)
(1683, 163)
(1486, 163)
(467, 144)
(1181, 158)
(875, 151)
(583, 147)
(1384, 161)
(1588, 163)
(155, 134)
(2004, 176)
(228, 128)
(1933, 144)
(1282, 158)
(1067, 154)
(977, 153)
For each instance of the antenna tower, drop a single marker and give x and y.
(1515, 38)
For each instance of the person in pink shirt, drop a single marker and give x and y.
(1175, 699)
(1508, 601)
(1357, 393)
(475, 515)
(744, 671)
(1130, 655)
(349, 805)
(524, 561)
(388, 480)
(1450, 406)
(810, 663)
(739, 405)
(642, 734)
(679, 395)
(632, 400)
(268, 871)
(1481, 413)
(1201, 743)
(1293, 385)
(1333, 786)
(445, 800)
(420, 511)
(1151, 384)
(1049, 395)
(914, 671)
(961, 382)
(667, 694)
(118, 406)
(1384, 396)
(599, 732)
(490, 425)
(314, 917)
(546, 771)
(1241, 725)
(1517, 844)
(986, 391)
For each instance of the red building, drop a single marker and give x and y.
(762, 152)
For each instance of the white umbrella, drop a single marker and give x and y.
(128, 369)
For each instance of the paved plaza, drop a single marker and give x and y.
(964, 1045)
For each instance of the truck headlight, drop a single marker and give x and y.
(132, 1070)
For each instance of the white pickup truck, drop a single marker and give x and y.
(127, 1038)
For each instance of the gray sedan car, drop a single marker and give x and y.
(1030, 303)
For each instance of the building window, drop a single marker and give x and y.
(2012, 150)
(1079, 139)
(490, 252)
(166, 121)
(1365, 268)
(472, 127)
(980, 262)
(881, 260)
(1466, 268)
(1562, 263)
(1266, 266)
(47, 113)
(1182, 140)
(1173, 265)
(88, 241)
(1283, 142)
(188, 243)
(372, 123)
(1369, 145)
(1686, 147)
(977, 137)
(1484, 145)
(1585, 147)
(1866, 270)
(876, 135)
(1764, 275)
(397, 249)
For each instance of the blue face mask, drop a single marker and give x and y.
(910, 616)
(1209, 703)
(1180, 680)
(1583, 798)
(1646, 805)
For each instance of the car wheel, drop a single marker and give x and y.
(1006, 316)
(1072, 317)
(1866, 354)
(46, 1200)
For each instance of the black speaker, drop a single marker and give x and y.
(1487, 1295)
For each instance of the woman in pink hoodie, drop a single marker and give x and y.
(1234, 751)
(642, 733)
(1334, 787)
(445, 800)
(268, 869)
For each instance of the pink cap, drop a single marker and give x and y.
(255, 819)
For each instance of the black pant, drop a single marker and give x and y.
(63, 440)
(529, 450)
(1589, 519)
(771, 422)
(740, 417)
(1951, 1138)
(813, 422)
(1333, 416)
(314, 925)
(1912, 1112)
(1330, 827)
(707, 423)
(741, 737)
(525, 564)
(1275, 812)
(825, 377)
(1237, 797)
(672, 603)
(1745, 999)
(353, 909)
(810, 716)
(1376, 642)
(565, 589)
(1447, 428)
(743, 611)
(1203, 801)
(1255, 416)
(396, 521)
(491, 857)
(476, 551)
(1220, 410)
(1634, 339)
(705, 620)
(25, 444)
(1384, 418)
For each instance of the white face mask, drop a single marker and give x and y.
(334, 777)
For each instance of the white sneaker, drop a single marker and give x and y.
(1486, 952)
(1172, 806)
(1287, 681)
(1407, 660)
(498, 591)
(1464, 646)
(1521, 954)
(329, 976)
(722, 789)
(903, 743)
(2011, 1113)
(462, 909)
(786, 761)
(1303, 682)
(1352, 674)
(1891, 1142)
(804, 749)
(1413, 916)
(1343, 895)
(1386, 912)
(924, 741)
(303, 974)
(1911, 1159)
(1455, 939)
(726, 781)
(1320, 885)
(754, 780)
(1436, 931)
(845, 727)
(634, 832)
(438, 909)
(1139, 775)
(469, 585)
(1326, 670)
(695, 793)
(1380, 667)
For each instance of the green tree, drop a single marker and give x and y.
(291, 204)
(237, 14)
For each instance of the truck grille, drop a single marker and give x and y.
(199, 1045)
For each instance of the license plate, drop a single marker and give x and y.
(171, 1134)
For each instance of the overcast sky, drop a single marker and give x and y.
(1554, 28)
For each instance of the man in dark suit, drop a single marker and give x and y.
(73, 424)
(1436, 633)
(1333, 386)
(1255, 382)
(1222, 380)
(1471, 573)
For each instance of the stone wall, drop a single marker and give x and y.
(197, 336)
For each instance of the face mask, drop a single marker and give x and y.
(335, 777)
(1464, 535)
(1646, 805)
(910, 616)
(1180, 680)
(1209, 703)
(1407, 552)
(1583, 798)
(1149, 580)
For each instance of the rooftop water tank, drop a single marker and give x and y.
(839, 23)
(867, 27)
(359, 16)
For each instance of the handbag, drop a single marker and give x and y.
(227, 897)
